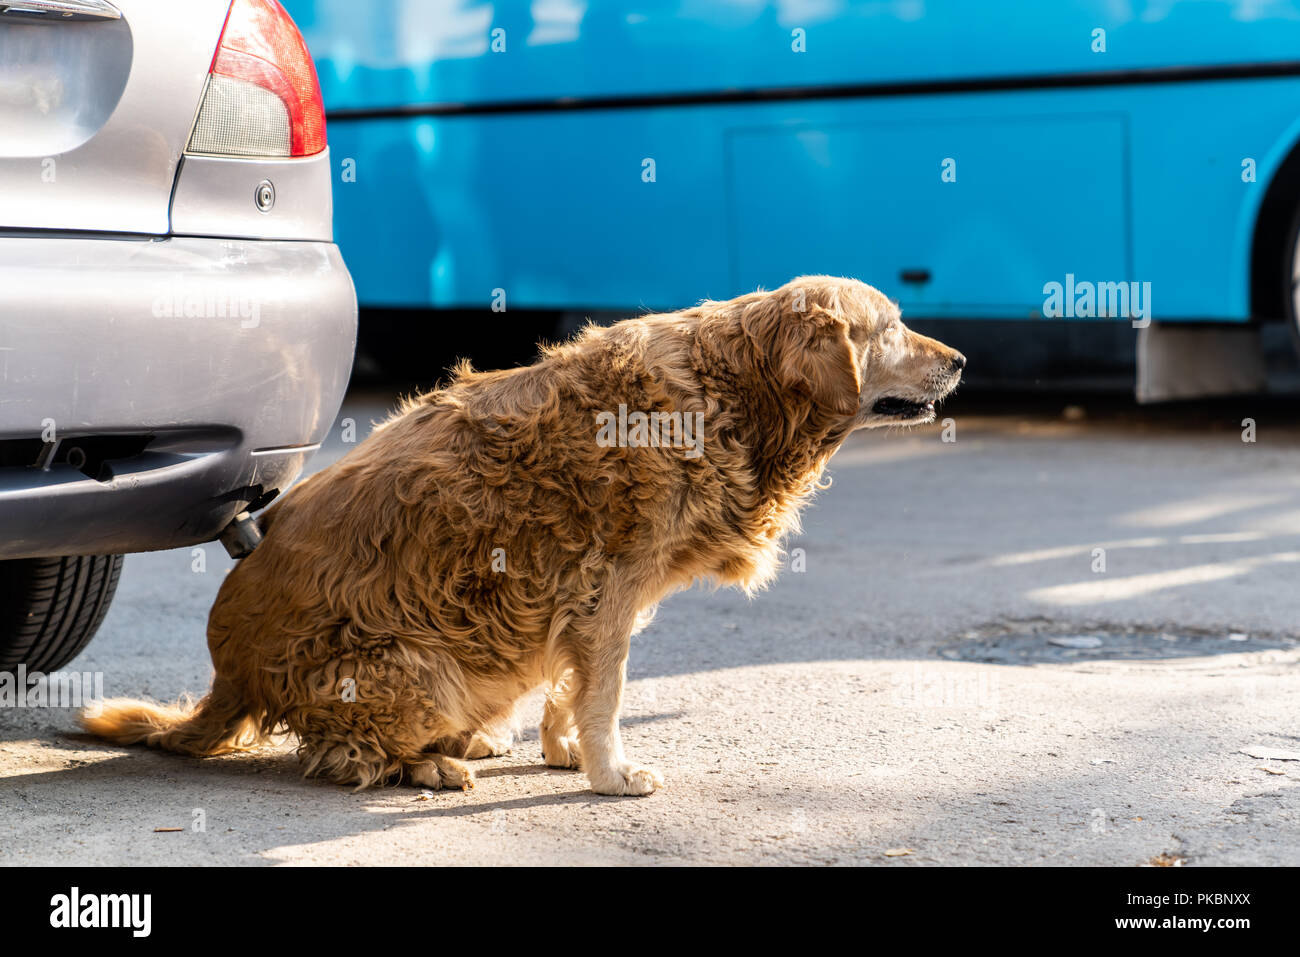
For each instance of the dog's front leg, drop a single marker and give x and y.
(599, 652)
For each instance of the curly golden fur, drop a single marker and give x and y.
(483, 543)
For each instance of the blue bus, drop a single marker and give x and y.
(973, 160)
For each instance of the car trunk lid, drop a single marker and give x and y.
(97, 100)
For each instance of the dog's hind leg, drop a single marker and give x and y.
(363, 764)
(438, 771)
(492, 740)
(559, 729)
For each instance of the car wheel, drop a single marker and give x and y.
(51, 607)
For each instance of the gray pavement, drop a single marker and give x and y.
(899, 701)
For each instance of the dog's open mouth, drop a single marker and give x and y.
(899, 408)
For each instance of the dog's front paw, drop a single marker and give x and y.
(627, 779)
(561, 752)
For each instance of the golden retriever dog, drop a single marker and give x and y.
(514, 529)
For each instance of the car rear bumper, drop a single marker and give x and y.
(150, 389)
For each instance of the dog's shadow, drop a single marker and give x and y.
(135, 804)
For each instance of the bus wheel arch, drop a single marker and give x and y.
(1273, 246)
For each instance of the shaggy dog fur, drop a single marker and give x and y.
(482, 543)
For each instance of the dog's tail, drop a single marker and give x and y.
(220, 723)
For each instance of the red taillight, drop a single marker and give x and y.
(261, 50)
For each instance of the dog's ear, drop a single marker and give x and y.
(808, 350)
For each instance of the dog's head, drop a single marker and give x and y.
(841, 344)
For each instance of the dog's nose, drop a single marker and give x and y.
(958, 362)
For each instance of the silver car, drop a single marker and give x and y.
(176, 323)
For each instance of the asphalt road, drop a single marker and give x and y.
(899, 701)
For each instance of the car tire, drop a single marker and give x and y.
(51, 607)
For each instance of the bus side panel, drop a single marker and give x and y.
(657, 208)
(398, 52)
(977, 206)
